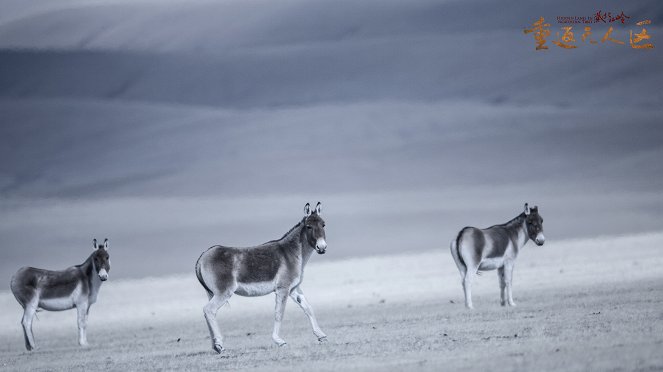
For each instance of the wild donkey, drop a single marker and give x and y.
(493, 248)
(77, 286)
(275, 266)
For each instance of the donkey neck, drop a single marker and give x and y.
(91, 277)
(306, 248)
(295, 244)
(518, 227)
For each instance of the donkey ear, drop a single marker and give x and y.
(307, 209)
(94, 243)
(526, 209)
(535, 208)
(318, 208)
(106, 243)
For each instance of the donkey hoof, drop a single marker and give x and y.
(322, 339)
(218, 348)
(281, 343)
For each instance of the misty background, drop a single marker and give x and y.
(170, 126)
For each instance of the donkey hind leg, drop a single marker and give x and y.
(210, 311)
(298, 296)
(468, 270)
(470, 274)
(26, 322)
(467, 287)
(281, 298)
(502, 280)
(508, 276)
(82, 311)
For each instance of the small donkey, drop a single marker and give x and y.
(493, 248)
(77, 286)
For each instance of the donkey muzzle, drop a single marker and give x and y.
(103, 275)
(540, 239)
(321, 246)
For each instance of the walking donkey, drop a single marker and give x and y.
(276, 266)
(77, 286)
(496, 247)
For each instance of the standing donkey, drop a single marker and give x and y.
(496, 247)
(77, 286)
(276, 266)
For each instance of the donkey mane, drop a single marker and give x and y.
(87, 261)
(287, 233)
(511, 221)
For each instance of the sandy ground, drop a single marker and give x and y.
(591, 304)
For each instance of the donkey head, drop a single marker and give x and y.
(314, 228)
(101, 259)
(534, 223)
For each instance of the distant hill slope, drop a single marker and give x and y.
(263, 53)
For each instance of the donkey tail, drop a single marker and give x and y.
(462, 268)
(199, 275)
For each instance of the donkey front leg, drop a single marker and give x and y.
(281, 298)
(500, 276)
(26, 322)
(298, 296)
(82, 311)
(508, 276)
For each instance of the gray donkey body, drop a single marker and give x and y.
(276, 266)
(75, 287)
(496, 247)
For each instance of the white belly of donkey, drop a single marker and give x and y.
(255, 289)
(491, 263)
(60, 303)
